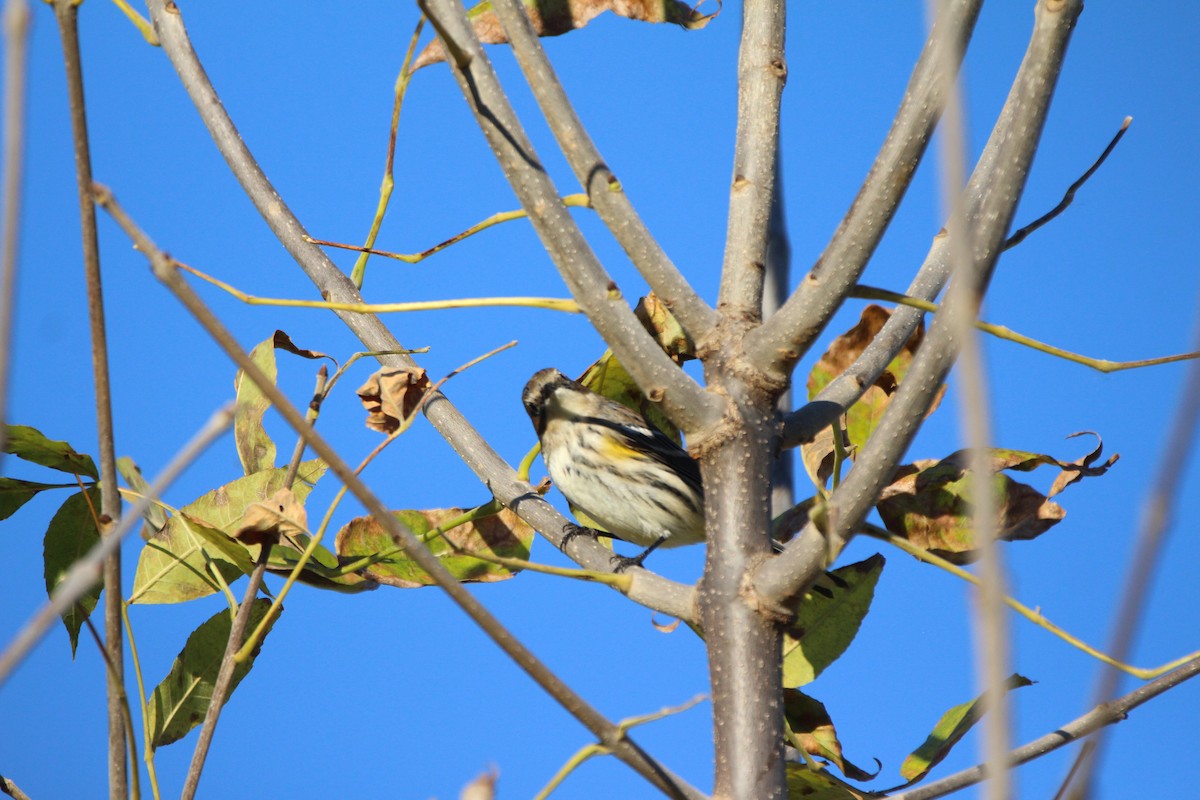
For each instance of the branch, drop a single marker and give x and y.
(66, 12)
(607, 196)
(166, 271)
(843, 391)
(1006, 162)
(82, 575)
(648, 589)
(1099, 717)
(16, 46)
(683, 400)
(782, 340)
(762, 73)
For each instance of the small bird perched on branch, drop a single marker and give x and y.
(615, 467)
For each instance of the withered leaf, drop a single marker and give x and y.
(804, 783)
(284, 342)
(503, 534)
(391, 395)
(280, 516)
(864, 416)
(556, 17)
(658, 320)
(255, 448)
(812, 729)
(928, 502)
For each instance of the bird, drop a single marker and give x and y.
(615, 467)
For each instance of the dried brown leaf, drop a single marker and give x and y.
(281, 516)
(864, 416)
(556, 17)
(284, 342)
(391, 395)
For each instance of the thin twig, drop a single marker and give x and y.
(135, 788)
(66, 12)
(220, 692)
(566, 305)
(1001, 332)
(83, 573)
(147, 747)
(385, 189)
(17, 19)
(1069, 196)
(165, 270)
(1099, 717)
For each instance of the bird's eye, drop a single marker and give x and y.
(532, 409)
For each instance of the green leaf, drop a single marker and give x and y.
(155, 516)
(828, 620)
(503, 534)
(29, 444)
(953, 725)
(16, 493)
(72, 533)
(254, 447)
(174, 564)
(180, 702)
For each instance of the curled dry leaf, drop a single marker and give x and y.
(864, 416)
(556, 17)
(281, 516)
(666, 330)
(928, 501)
(391, 395)
(284, 342)
(503, 534)
(812, 729)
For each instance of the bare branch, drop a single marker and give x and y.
(66, 12)
(82, 575)
(652, 591)
(16, 46)
(762, 73)
(1099, 717)
(1016, 137)
(607, 196)
(683, 400)
(780, 342)
(608, 733)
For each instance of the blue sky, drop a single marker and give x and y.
(395, 691)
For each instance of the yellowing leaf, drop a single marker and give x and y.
(254, 447)
(953, 725)
(503, 534)
(812, 730)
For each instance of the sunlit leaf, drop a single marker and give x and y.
(71, 534)
(953, 725)
(155, 516)
(503, 534)
(254, 447)
(180, 702)
(174, 564)
(828, 619)
(31, 445)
